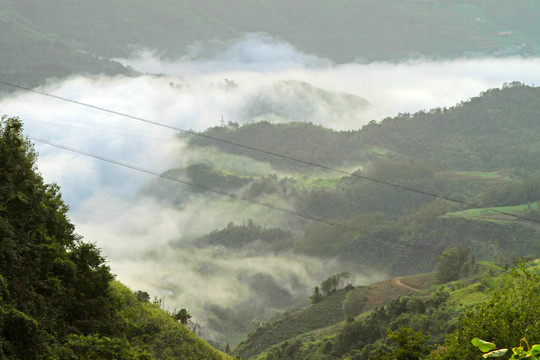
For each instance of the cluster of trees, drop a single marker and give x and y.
(334, 283)
(466, 136)
(514, 193)
(330, 286)
(456, 263)
(509, 315)
(57, 295)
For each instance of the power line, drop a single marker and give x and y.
(236, 196)
(300, 161)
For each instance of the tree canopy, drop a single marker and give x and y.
(56, 298)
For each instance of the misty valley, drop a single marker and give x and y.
(268, 180)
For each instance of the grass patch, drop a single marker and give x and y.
(494, 213)
(420, 281)
(468, 295)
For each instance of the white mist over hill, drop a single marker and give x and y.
(253, 78)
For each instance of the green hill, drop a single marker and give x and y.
(455, 152)
(482, 151)
(57, 295)
(326, 318)
(149, 327)
(434, 310)
(488, 133)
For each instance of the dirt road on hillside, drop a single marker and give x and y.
(397, 281)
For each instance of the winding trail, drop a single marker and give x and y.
(397, 281)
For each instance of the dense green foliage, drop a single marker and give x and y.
(511, 313)
(56, 300)
(432, 316)
(490, 132)
(515, 193)
(54, 283)
(455, 263)
(410, 346)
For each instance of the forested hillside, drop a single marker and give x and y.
(491, 132)
(481, 151)
(409, 325)
(60, 38)
(417, 184)
(58, 299)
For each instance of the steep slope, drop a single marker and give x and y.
(57, 299)
(316, 320)
(461, 309)
(154, 330)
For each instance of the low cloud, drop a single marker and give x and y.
(256, 77)
(148, 244)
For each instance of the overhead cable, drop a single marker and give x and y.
(236, 196)
(300, 161)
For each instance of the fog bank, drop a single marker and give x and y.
(253, 78)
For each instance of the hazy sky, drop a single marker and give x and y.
(214, 79)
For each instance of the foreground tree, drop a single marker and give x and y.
(510, 314)
(52, 282)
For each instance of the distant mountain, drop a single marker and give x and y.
(59, 37)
